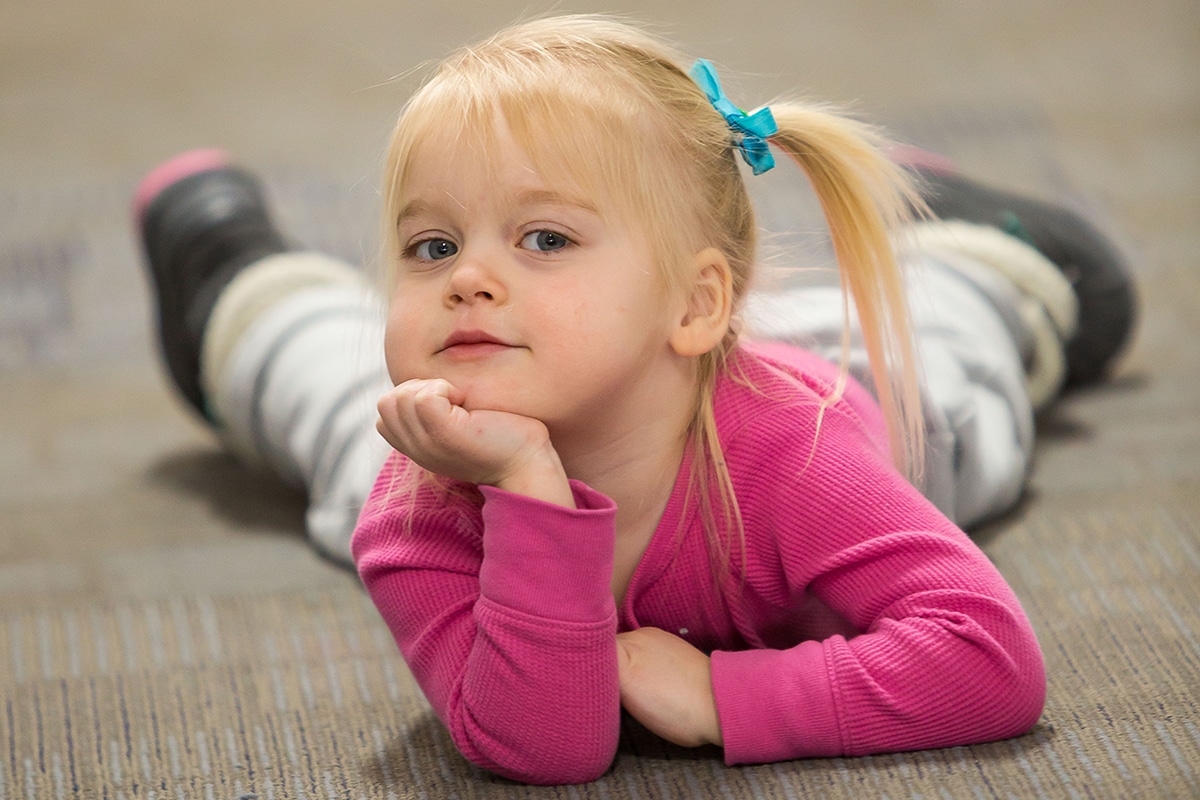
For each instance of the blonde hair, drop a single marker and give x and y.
(660, 157)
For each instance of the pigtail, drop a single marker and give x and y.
(865, 198)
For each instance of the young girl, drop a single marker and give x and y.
(601, 494)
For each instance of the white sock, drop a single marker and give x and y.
(256, 288)
(292, 366)
(1048, 305)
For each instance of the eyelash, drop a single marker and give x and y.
(411, 252)
(567, 240)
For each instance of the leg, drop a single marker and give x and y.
(292, 372)
(280, 350)
(1093, 265)
(1011, 300)
(978, 415)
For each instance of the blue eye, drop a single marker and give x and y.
(434, 249)
(544, 241)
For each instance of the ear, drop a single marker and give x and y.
(709, 305)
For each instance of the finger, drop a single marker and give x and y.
(436, 387)
(437, 415)
(624, 658)
(388, 422)
(393, 403)
(397, 421)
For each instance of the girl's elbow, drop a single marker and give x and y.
(1019, 697)
(548, 760)
(1033, 692)
(1003, 697)
(1011, 684)
(555, 770)
(551, 745)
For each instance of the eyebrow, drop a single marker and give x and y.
(413, 208)
(534, 197)
(529, 197)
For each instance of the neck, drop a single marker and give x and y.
(630, 447)
(632, 454)
(637, 472)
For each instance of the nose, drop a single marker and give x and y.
(475, 280)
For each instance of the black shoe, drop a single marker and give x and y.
(201, 222)
(1096, 270)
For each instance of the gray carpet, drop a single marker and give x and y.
(300, 693)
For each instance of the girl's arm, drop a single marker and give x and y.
(504, 613)
(945, 657)
(506, 619)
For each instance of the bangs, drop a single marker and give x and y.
(591, 134)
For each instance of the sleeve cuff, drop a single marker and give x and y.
(775, 705)
(547, 560)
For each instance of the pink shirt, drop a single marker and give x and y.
(857, 620)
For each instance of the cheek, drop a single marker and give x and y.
(394, 358)
(400, 342)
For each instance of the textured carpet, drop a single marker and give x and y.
(302, 694)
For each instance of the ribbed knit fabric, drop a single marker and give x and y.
(857, 618)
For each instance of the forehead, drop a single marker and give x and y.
(574, 137)
(483, 168)
(457, 189)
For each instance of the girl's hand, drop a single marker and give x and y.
(666, 684)
(425, 420)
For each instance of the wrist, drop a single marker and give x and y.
(713, 725)
(540, 477)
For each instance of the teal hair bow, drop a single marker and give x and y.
(753, 129)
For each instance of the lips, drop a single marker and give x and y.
(472, 344)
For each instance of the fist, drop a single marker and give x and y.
(426, 421)
(666, 684)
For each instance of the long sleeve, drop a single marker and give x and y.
(944, 654)
(506, 619)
